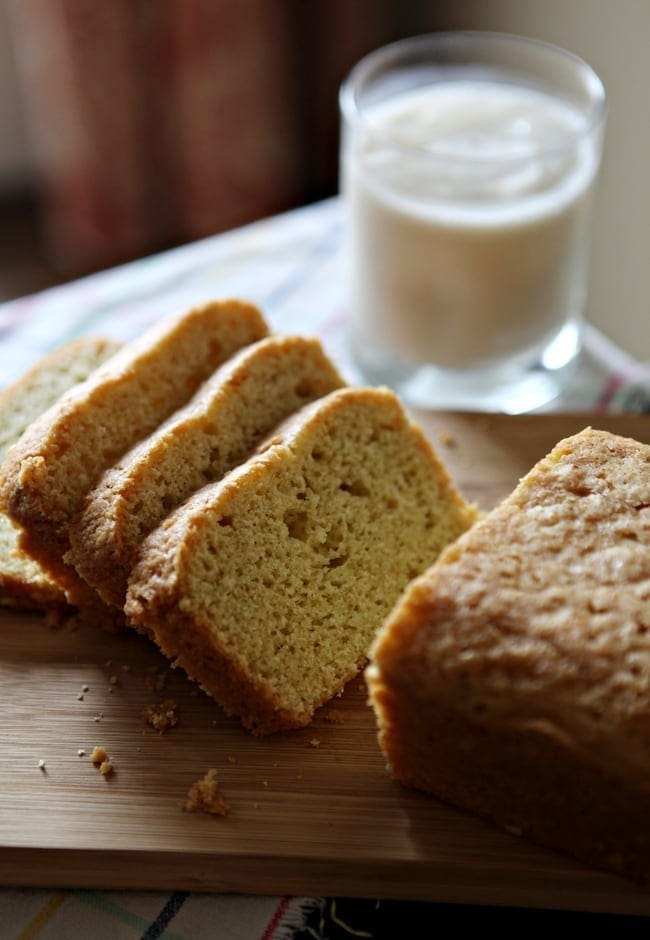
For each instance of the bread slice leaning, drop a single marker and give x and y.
(513, 678)
(23, 583)
(65, 451)
(268, 587)
(247, 397)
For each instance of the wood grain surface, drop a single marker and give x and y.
(312, 811)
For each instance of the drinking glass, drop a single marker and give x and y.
(468, 164)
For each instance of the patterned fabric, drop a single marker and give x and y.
(290, 266)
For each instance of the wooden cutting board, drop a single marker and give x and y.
(312, 811)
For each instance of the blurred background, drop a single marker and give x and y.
(130, 126)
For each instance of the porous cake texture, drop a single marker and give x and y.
(23, 583)
(268, 586)
(513, 678)
(65, 451)
(242, 402)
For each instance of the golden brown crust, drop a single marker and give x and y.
(268, 586)
(514, 677)
(218, 428)
(45, 382)
(40, 595)
(61, 455)
(23, 583)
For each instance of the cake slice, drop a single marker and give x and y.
(64, 452)
(244, 400)
(268, 586)
(23, 583)
(513, 678)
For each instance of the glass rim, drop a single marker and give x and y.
(353, 114)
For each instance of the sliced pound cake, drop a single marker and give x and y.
(23, 583)
(513, 678)
(65, 451)
(268, 586)
(244, 400)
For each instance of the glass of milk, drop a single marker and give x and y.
(468, 163)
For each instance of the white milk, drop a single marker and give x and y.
(467, 229)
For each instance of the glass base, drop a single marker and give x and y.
(514, 388)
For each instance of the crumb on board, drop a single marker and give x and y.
(41, 765)
(80, 696)
(81, 752)
(161, 717)
(113, 680)
(335, 716)
(100, 757)
(156, 678)
(231, 759)
(447, 438)
(204, 796)
(84, 688)
(314, 742)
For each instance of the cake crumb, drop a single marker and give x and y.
(113, 680)
(314, 742)
(100, 757)
(155, 679)
(80, 696)
(97, 718)
(447, 438)
(41, 765)
(161, 717)
(335, 716)
(204, 796)
(231, 759)
(84, 688)
(81, 752)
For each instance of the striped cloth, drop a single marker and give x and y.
(290, 266)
